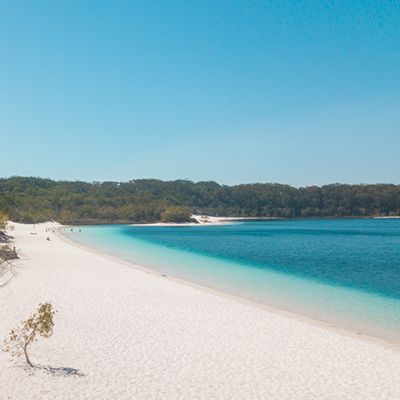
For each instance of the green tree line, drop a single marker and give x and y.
(29, 199)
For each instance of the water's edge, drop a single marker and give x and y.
(340, 326)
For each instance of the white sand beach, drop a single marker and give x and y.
(207, 220)
(199, 221)
(123, 333)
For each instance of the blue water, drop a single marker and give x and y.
(344, 271)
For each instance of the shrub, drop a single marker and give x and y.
(176, 214)
(3, 220)
(38, 324)
(8, 253)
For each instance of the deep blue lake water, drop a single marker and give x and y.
(342, 271)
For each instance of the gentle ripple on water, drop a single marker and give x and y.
(343, 271)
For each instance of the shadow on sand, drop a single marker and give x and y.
(59, 371)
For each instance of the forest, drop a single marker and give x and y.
(32, 200)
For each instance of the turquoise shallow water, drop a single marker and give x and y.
(345, 272)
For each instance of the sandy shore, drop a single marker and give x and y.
(122, 333)
(207, 220)
(201, 221)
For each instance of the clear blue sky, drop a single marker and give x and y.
(298, 92)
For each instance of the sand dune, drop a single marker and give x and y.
(123, 333)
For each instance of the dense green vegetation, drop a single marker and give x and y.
(149, 200)
(176, 214)
(3, 220)
(3, 236)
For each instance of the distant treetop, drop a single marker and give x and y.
(27, 199)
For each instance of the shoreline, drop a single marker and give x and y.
(218, 220)
(212, 221)
(205, 220)
(131, 333)
(297, 316)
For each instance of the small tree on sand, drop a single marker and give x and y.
(38, 324)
